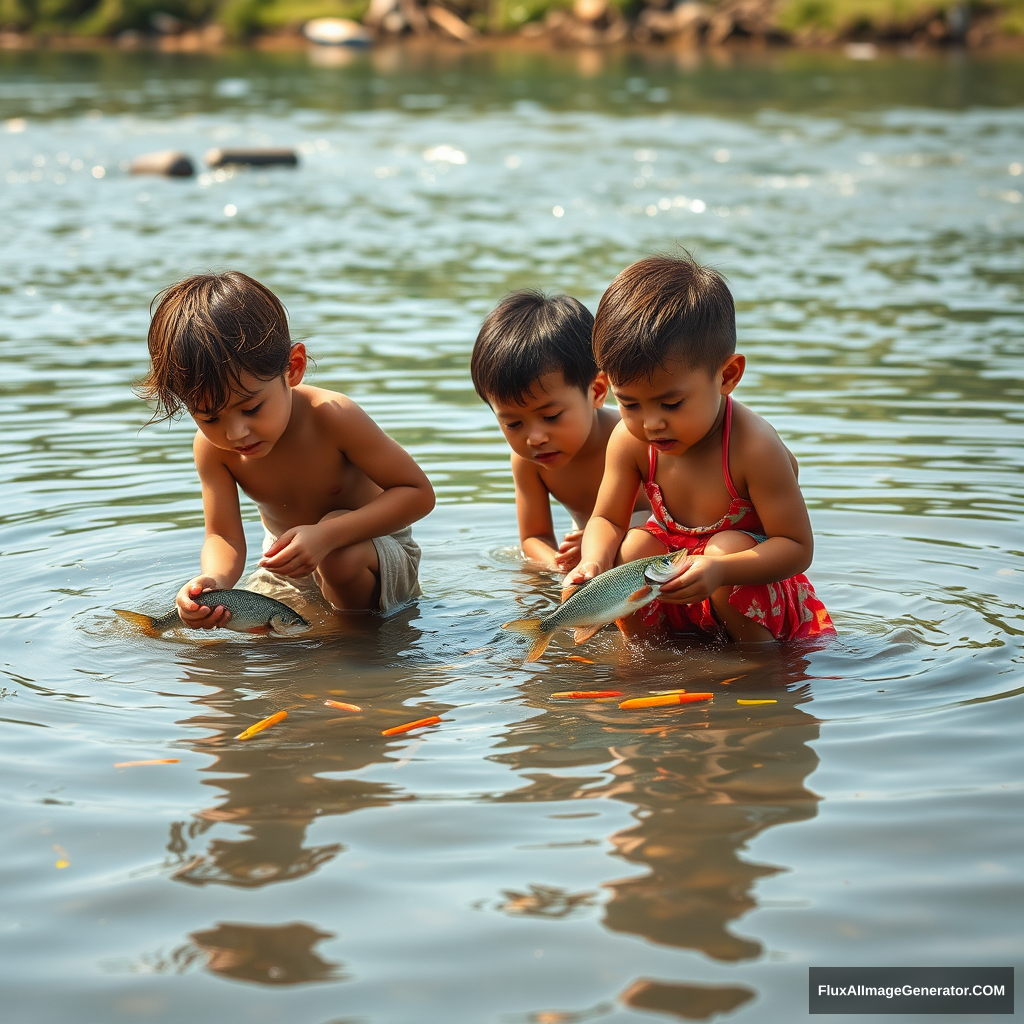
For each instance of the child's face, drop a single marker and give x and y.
(678, 406)
(550, 426)
(257, 415)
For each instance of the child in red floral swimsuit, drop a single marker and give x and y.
(665, 334)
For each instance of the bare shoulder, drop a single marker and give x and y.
(755, 446)
(206, 454)
(327, 405)
(623, 445)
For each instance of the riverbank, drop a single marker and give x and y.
(862, 27)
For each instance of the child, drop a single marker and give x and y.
(533, 365)
(335, 493)
(665, 333)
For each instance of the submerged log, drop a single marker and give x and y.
(170, 163)
(252, 156)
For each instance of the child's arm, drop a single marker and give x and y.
(770, 476)
(406, 494)
(615, 500)
(223, 556)
(533, 512)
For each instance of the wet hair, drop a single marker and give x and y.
(526, 336)
(208, 330)
(664, 308)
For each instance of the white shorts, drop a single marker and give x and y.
(399, 558)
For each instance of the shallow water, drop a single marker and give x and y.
(530, 860)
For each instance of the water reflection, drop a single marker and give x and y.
(275, 786)
(704, 782)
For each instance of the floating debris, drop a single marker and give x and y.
(580, 659)
(757, 702)
(341, 705)
(62, 857)
(252, 156)
(170, 163)
(731, 679)
(139, 764)
(587, 694)
(420, 723)
(664, 700)
(264, 723)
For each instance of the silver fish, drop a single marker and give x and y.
(613, 595)
(250, 613)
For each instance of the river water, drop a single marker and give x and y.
(531, 860)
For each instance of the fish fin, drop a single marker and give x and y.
(259, 630)
(145, 623)
(581, 634)
(639, 595)
(531, 629)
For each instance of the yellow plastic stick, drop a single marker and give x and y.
(265, 723)
(757, 702)
(664, 700)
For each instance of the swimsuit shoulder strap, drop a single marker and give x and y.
(652, 462)
(726, 431)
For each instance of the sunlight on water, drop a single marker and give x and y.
(529, 860)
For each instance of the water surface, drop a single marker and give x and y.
(530, 860)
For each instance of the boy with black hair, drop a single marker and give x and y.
(533, 365)
(665, 333)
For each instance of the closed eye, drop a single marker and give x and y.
(552, 419)
(672, 405)
(252, 412)
(514, 425)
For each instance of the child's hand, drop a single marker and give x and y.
(583, 572)
(569, 551)
(297, 552)
(198, 616)
(700, 578)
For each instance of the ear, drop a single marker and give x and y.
(732, 372)
(599, 389)
(296, 365)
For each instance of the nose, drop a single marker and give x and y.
(537, 437)
(653, 422)
(236, 428)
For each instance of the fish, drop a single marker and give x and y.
(250, 613)
(613, 595)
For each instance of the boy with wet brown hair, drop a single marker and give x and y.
(335, 493)
(665, 333)
(533, 365)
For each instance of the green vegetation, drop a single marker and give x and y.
(803, 20)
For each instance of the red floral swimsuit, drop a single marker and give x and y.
(789, 609)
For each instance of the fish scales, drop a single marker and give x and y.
(250, 613)
(613, 595)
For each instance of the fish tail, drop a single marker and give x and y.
(532, 630)
(145, 623)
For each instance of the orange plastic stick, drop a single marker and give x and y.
(409, 726)
(136, 764)
(757, 702)
(587, 694)
(733, 679)
(664, 700)
(265, 723)
(341, 705)
(580, 659)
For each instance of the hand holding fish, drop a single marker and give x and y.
(298, 551)
(198, 616)
(577, 577)
(699, 578)
(569, 550)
